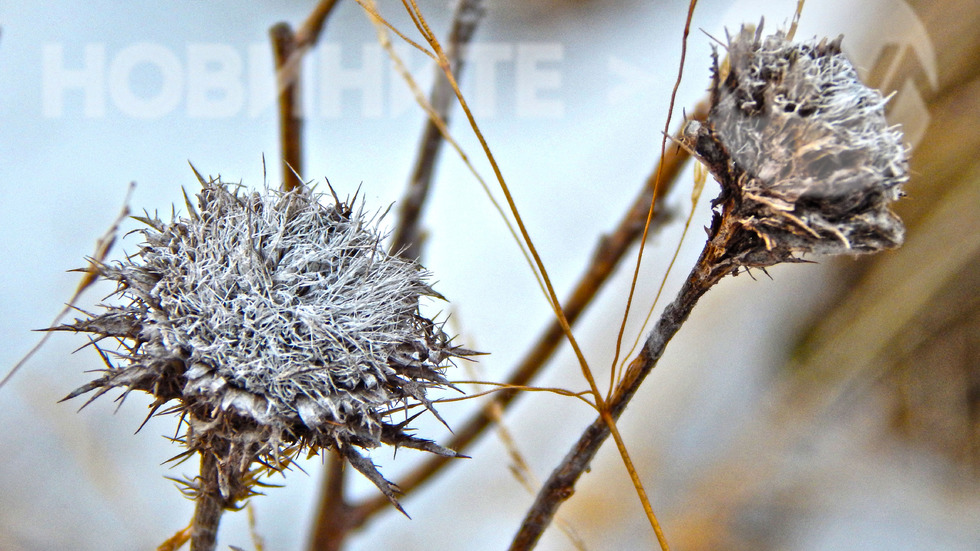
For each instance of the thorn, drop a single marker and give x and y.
(198, 174)
(187, 201)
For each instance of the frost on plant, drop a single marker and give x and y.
(806, 159)
(272, 324)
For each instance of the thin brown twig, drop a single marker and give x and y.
(582, 395)
(610, 251)
(371, 8)
(383, 26)
(407, 240)
(512, 205)
(663, 149)
(290, 119)
(423, 27)
(333, 518)
(604, 413)
(700, 177)
(288, 49)
(542, 271)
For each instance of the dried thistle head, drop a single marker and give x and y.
(806, 159)
(272, 324)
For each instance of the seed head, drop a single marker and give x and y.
(806, 159)
(272, 324)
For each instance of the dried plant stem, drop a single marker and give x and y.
(407, 240)
(208, 506)
(611, 249)
(383, 27)
(288, 48)
(604, 413)
(560, 485)
(333, 518)
(423, 28)
(290, 120)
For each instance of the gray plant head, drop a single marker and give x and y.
(802, 150)
(272, 324)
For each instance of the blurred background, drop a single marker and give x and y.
(833, 406)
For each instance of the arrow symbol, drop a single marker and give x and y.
(632, 79)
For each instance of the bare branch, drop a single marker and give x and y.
(290, 119)
(288, 49)
(333, 519)
(407, 241)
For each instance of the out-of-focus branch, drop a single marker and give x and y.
(333, 517)
(290, 120)
(407, 237)
(610, 251)
(309, 32)
(288, 48)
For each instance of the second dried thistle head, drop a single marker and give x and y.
(272, 324)
(806, 159)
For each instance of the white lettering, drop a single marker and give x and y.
(214, 81)
(530, 79)
(120, 85)
(335, 79)
(56, 80)
(485, 57)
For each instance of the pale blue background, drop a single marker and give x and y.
(84, 481)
